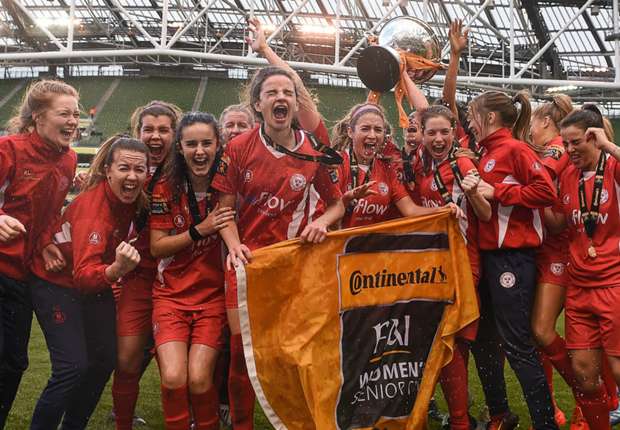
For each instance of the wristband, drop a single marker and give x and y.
(194, 234)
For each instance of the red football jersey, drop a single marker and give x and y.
(192, 279)
(34, 181)
(522, 188)
(431, 198)
(555, 159)
(90, 229)
(273, 189)
(604, 270)
(375, 207)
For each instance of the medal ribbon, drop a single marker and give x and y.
(329, 155)
(354, 169)
(145, 212)
(458, 176)
(590, 217)
(191, 196)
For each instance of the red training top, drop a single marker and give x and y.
(34, 181)
(522, 188)
(192, 279)
(88, 233)
(604, 270)
(272, 188)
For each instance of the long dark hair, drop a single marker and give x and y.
(175, 167)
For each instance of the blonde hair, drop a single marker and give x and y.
(243, 108)
(557, 109)
(37, 99)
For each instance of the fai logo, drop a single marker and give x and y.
(604, 196)
(557, 268)
(507, 280)
(94, 238)
(297, 182)
(433, 185)
(489, 166)
(392, 333)
(179, 221)
(383, 188)
(247, 176)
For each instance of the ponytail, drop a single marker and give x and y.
(521, 127)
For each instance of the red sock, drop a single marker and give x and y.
(125, 388)
(557, 353)
(205, 406)
(240, 392)
(175, 405)
(595, 410)
(548, 368)
(610, 383)
(453, 379)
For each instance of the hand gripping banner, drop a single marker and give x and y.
(352, 333)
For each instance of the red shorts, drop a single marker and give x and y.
(134, 306)
(231, 289)
(592, 319)
(551, 269)
(205, 327)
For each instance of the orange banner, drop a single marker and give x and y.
(352, 333)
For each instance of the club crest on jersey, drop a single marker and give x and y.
(297, 182)
(566, 199)
(489, 166)
(557, 268)
(507, 279)
(179, 221)
(64, 183)
(333, 175)
(604, 196)
(94, 238)
(222, 166)
(536, 165)
(433, 185)
(247, 176)
(383, 188)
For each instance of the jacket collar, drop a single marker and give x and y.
(44, 147)
(496, 137)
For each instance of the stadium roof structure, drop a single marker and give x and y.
(549, 45)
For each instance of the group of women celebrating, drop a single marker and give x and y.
(146, 249)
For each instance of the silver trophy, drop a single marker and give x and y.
(378, 66)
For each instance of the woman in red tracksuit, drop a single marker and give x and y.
(72, 294)
(370, 186)
(153, 124)
(268, 172)
(588, 206)
(36, 170)
(188, 296)
(518, 188)
(453, 180)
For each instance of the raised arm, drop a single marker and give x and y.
(308, 115)
(458, 42)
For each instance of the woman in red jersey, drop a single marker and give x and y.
(518, 187)
(588, 206)
(451, 180)
(370, 186)
(268, 173)
(36, 170)
(73, 301)
(188, 295)
(552, 257)
(234, 120)
(154, 125)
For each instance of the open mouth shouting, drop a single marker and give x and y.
(439, 150)
(157, 151)
(68, 133)
(129, 191)
(280, 112)
(200, 166)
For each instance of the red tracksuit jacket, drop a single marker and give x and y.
(522, 188)
(90, 229)
(34, 181)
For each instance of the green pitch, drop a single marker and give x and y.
(149, 406)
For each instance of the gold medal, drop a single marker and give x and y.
(592, 251)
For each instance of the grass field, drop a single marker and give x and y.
(149, 405)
